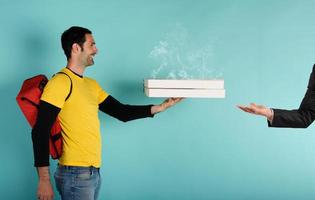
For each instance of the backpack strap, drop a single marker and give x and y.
(70, 85)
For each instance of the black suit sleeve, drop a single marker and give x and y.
(46, 117)
(124, 112)
(301, 117)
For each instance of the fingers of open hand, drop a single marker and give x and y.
(176, 100)
(247, 109)
(171, 101)
(45, 196)
(180, 99)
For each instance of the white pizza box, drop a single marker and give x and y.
(195, 84)
(192, 93)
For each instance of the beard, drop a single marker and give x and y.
(89, 61)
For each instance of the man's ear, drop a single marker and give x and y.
(76, 48)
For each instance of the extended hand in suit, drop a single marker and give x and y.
(296, 118)
(257, 110)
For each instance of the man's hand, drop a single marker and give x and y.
(44, 190)
(165, 105)
(257, 110)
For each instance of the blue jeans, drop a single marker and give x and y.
(78, 183)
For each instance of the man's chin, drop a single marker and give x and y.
(90, 64)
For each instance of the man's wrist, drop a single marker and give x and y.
(269, 114)
(154, 109)
(43, 173)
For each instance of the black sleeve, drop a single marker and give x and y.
(46, 117)
(124, 112)
(301, 117)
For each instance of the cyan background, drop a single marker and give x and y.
(201, 148)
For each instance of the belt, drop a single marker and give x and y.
(68, 167)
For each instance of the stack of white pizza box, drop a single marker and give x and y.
(213, 88)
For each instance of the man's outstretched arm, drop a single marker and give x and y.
(125, 112)
(297, 118)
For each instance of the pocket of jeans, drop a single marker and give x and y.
(57, 174)
(84, 175)
(58, 180)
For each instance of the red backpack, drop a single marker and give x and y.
(28, 101)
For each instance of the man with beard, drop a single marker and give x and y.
(77, 175)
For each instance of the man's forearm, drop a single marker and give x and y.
(124, 112)
(47, 115)
(43, 173)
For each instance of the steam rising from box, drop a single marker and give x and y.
(181, 56)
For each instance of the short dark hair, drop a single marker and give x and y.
(74, 34)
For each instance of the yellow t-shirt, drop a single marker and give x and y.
(78, 117)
